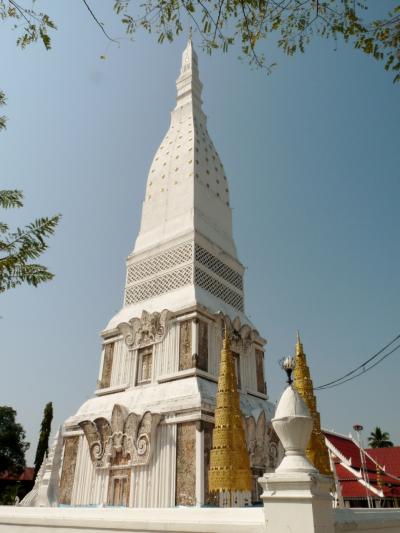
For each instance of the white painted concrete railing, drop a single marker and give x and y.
(102, 520)
(177, 520)
(367, 520)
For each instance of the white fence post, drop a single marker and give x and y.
(296, 496)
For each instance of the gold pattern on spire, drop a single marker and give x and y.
(379, 482)
(229, 461)
(317, 452)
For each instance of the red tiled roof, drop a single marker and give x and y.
(354, 489)
(343, 474)
(26, 475)
(347, 447)
(350, 484)
(388, 458)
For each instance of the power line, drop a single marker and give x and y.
(363, 368)
(323, 387)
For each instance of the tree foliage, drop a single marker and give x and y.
(3, 119)
(220, 23)
(19, 247)
(45, 430)
(12, 442)
(293, 23)
(379, 439)
(31, 25)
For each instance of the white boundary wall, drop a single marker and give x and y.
(177, 520)
(367, 520)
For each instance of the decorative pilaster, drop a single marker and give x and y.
(68, 469)
(185, 345)
(199, 463)
(186, 464)
(316, 450)
(195, 341)
(202, 351)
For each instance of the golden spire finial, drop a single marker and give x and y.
(317, 452)
(226, 344)
(299, 345)
(229, 460)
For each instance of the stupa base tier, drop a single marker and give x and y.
(144, 439)
(153, 460)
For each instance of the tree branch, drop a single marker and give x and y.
(99, 23)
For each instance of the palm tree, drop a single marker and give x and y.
(379, 439)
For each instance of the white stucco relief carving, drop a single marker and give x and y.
(241, 335)
(264, 447)
(130, 435)
(149, 329)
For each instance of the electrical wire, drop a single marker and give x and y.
(322, 387)
(361, 369)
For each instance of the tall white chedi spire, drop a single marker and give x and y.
(144, 439)
(187, 189)
(185, 244)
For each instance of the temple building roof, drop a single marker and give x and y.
(381, 478)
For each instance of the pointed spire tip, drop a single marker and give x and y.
(299, 345)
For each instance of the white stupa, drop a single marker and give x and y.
(144, 439)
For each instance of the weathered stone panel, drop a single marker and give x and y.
(202, 359)
(260, 371)
(186, 464)
(107, 365)
(185, 345)
(208, 428)
(236, 358)
(256, 489)
(68, 469)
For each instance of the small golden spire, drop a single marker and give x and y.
(226, 343)
(229, 460)
(299, 346)
(317, 452)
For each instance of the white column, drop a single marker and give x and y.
(199, 464)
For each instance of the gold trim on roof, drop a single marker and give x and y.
(317, 452)
(229, 460)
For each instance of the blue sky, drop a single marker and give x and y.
(312, 157)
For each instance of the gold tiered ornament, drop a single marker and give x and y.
(317, 452)
(230, 473)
